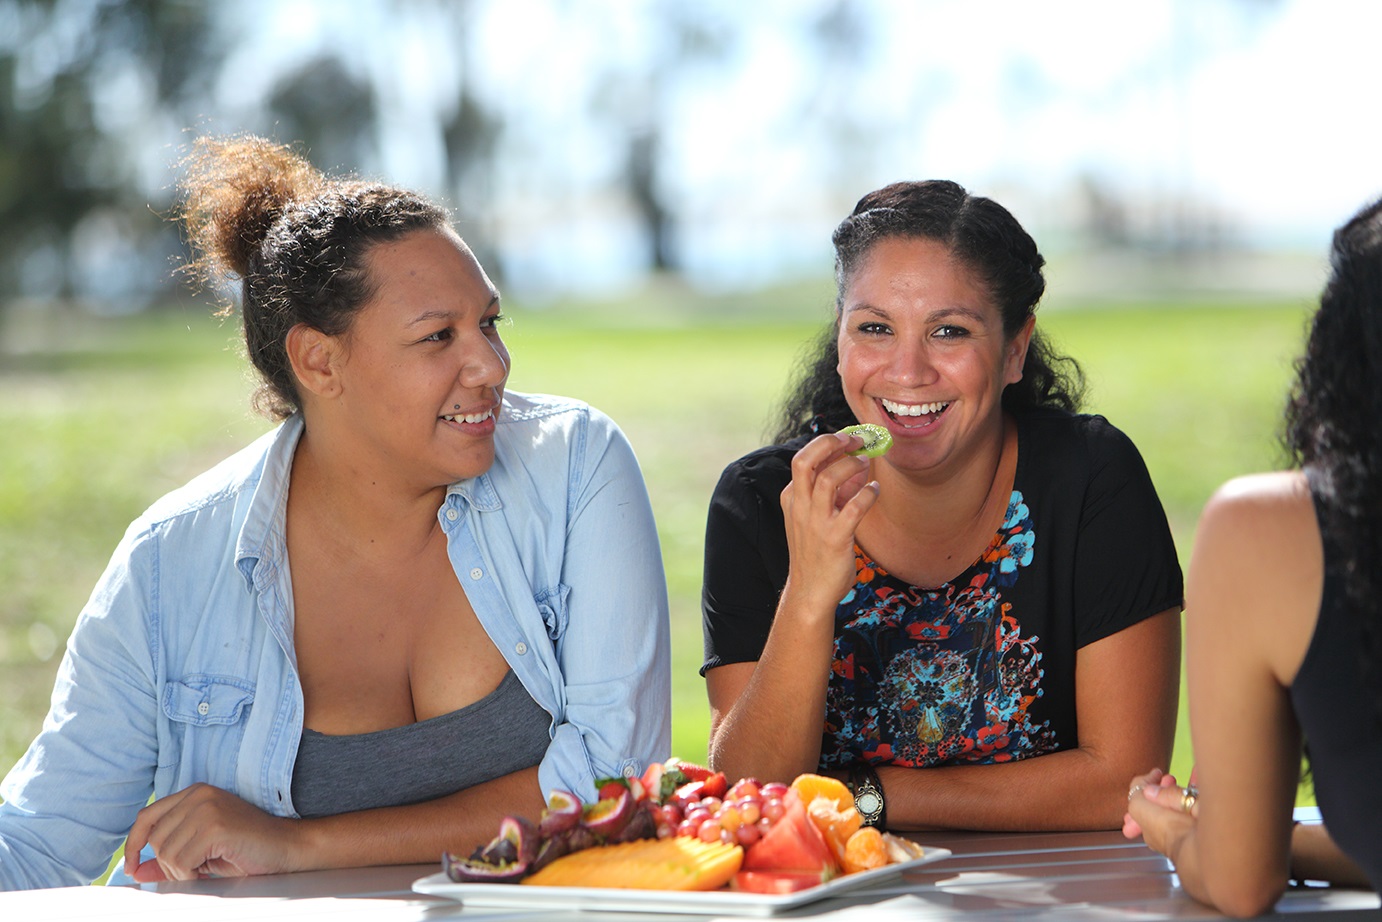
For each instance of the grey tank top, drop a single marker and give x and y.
(504, 732)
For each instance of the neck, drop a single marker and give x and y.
(938, 509)
(339, 499)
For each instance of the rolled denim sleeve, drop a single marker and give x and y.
(71, 799)
(615, 651)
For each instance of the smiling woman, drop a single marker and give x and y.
(383, 625)
(999, 586)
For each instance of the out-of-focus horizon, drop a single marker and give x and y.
(586, 145)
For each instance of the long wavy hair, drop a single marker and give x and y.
(987, 239)
(1334, 420)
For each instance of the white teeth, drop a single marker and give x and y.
(470, 417)
(913, 409)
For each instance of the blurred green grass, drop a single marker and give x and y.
(102, 416)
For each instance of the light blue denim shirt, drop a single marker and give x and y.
(181, 667)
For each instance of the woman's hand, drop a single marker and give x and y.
(1157, 811)
(204, 831)
(765, 716)
(822, 507)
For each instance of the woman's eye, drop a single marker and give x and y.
(440, 336)
(873, 328)
(493, 323)
(950, 331)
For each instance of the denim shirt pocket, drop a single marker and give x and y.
(207, 700)
(551, 604)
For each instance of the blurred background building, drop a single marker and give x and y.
(584, 144)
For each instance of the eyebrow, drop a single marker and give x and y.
(433, 315)
(934, 316)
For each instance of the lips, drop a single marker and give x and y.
(473, 418)
(914, 415)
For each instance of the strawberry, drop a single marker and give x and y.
(716, 784)
(611, 788)
(691, 770)
(652, 781)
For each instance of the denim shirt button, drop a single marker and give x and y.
(521, 648)
(476, 573)
(451, 515)
(203, 709)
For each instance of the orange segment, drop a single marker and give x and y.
(864, 851)
(809, 787)
(836, 825)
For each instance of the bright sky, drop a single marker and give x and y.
(1261, 110)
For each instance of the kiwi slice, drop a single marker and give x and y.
(876, 439)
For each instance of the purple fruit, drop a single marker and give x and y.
(517, 841)
(562, 813)
(641, 825)
(470, 871)
(579, 838)
(549, 851)
(608, 816)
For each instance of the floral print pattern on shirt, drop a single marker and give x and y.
(937, 676)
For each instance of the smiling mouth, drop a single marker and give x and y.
(472, 418)
(913, 415)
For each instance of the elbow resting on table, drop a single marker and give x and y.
(1246, 897)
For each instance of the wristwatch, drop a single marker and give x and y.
(868, 794)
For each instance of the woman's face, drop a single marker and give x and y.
(922, 352)
(424, 368)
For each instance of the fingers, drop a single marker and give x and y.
(191, 833)
(822, 468)
(1174, 797)
(144, 823)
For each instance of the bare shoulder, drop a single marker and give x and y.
(1258, 563)
(1276, 504)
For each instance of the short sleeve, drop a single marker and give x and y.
(745, 557)
(1126, 567)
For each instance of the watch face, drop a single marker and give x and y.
(868, 803)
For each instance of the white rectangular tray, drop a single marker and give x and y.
(714, 902)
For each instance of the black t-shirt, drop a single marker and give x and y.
(982, 668)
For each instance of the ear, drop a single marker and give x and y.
(314, 356)
(1015, 352)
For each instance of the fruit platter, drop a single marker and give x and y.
(681, 838)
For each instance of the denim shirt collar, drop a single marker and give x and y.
(262, 536)
(477, 491)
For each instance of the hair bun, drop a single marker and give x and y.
(235, 189)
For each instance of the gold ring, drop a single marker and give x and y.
(1188, 798)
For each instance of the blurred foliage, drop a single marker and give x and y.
(80, 83)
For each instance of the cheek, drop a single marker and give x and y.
(853, 365)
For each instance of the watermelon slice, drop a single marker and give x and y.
(793, 844)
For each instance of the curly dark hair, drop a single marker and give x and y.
(1333, 414)
(984, 236)
(296, 240)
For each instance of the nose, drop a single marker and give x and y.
(486, 363)
(910, 365)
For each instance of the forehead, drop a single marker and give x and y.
(431, 267)
(902, 269)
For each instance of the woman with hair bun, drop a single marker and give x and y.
(999, 585)
(419, 603)
(1284, 631)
